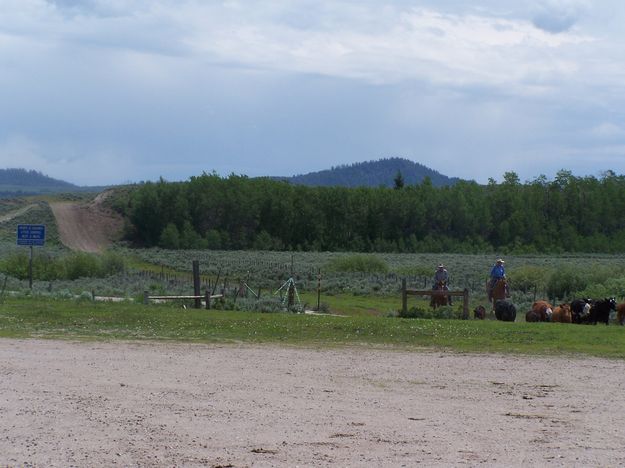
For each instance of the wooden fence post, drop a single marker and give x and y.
(196, 283)
(319, 290)
(404, 298)
(146, 297)
(207, 298)
(465, 304)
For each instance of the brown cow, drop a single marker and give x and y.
(620, 313)
(479, 312)
(562, 314)
(541, 312)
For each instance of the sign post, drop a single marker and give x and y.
(31, 235)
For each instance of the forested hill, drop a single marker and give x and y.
(373, 174)
(22, 181)
(18, 182)
(25, 178)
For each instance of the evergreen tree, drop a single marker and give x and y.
(398, 181)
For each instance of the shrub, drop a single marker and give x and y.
(528, 277)
(597, 273)
(416, 270)
(359, 263)
(84, 296)
(614, 287)
(63, 294)
(112, 263)
(170, 237)
(16, 265)
(69, 267)
(565, 281)
(213, 239)
(263, 241)
(80, 265)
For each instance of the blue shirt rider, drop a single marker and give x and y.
(496, 273)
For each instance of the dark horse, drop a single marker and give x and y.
(439, 300)
(499, 291)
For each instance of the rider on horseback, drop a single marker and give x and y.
(496, 273)
(441, 276)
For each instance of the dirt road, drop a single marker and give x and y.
(14, 214)
(157, 404)
(86, 227)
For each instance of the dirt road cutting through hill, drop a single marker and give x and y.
(168, 404)
(87, 227)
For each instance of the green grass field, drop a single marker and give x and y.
(84, 320)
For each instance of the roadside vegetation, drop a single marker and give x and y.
(67, 266)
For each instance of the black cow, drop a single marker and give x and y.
(600, 311)
(580, 310)
(505, 311)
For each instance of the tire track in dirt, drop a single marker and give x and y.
(87, 227)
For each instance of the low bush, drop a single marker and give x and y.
(565, 282)
(529, 278)
(614, 287)
(66, 267)
(358, 264)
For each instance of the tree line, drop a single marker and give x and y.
(566, 214)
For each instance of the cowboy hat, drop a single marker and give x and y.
(500, 260)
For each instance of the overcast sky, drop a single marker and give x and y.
(110, 91)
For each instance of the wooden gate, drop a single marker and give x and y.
(405, 292)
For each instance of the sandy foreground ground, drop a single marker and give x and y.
(160, 404)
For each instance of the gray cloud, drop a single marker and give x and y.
(557, 16)
(98, 8)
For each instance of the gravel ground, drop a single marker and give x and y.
(161, 404)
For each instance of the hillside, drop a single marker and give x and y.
(19, 182)
(373, 174)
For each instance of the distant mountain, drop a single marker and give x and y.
(373, 174)
(17, 182)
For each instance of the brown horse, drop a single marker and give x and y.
(439, 300)
(499, 291)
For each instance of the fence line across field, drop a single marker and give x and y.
(207, 298)
(243, 287)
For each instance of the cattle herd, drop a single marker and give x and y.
(580, 311)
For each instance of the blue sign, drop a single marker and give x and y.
(31, 234)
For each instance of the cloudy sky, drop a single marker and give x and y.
(111, 91)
